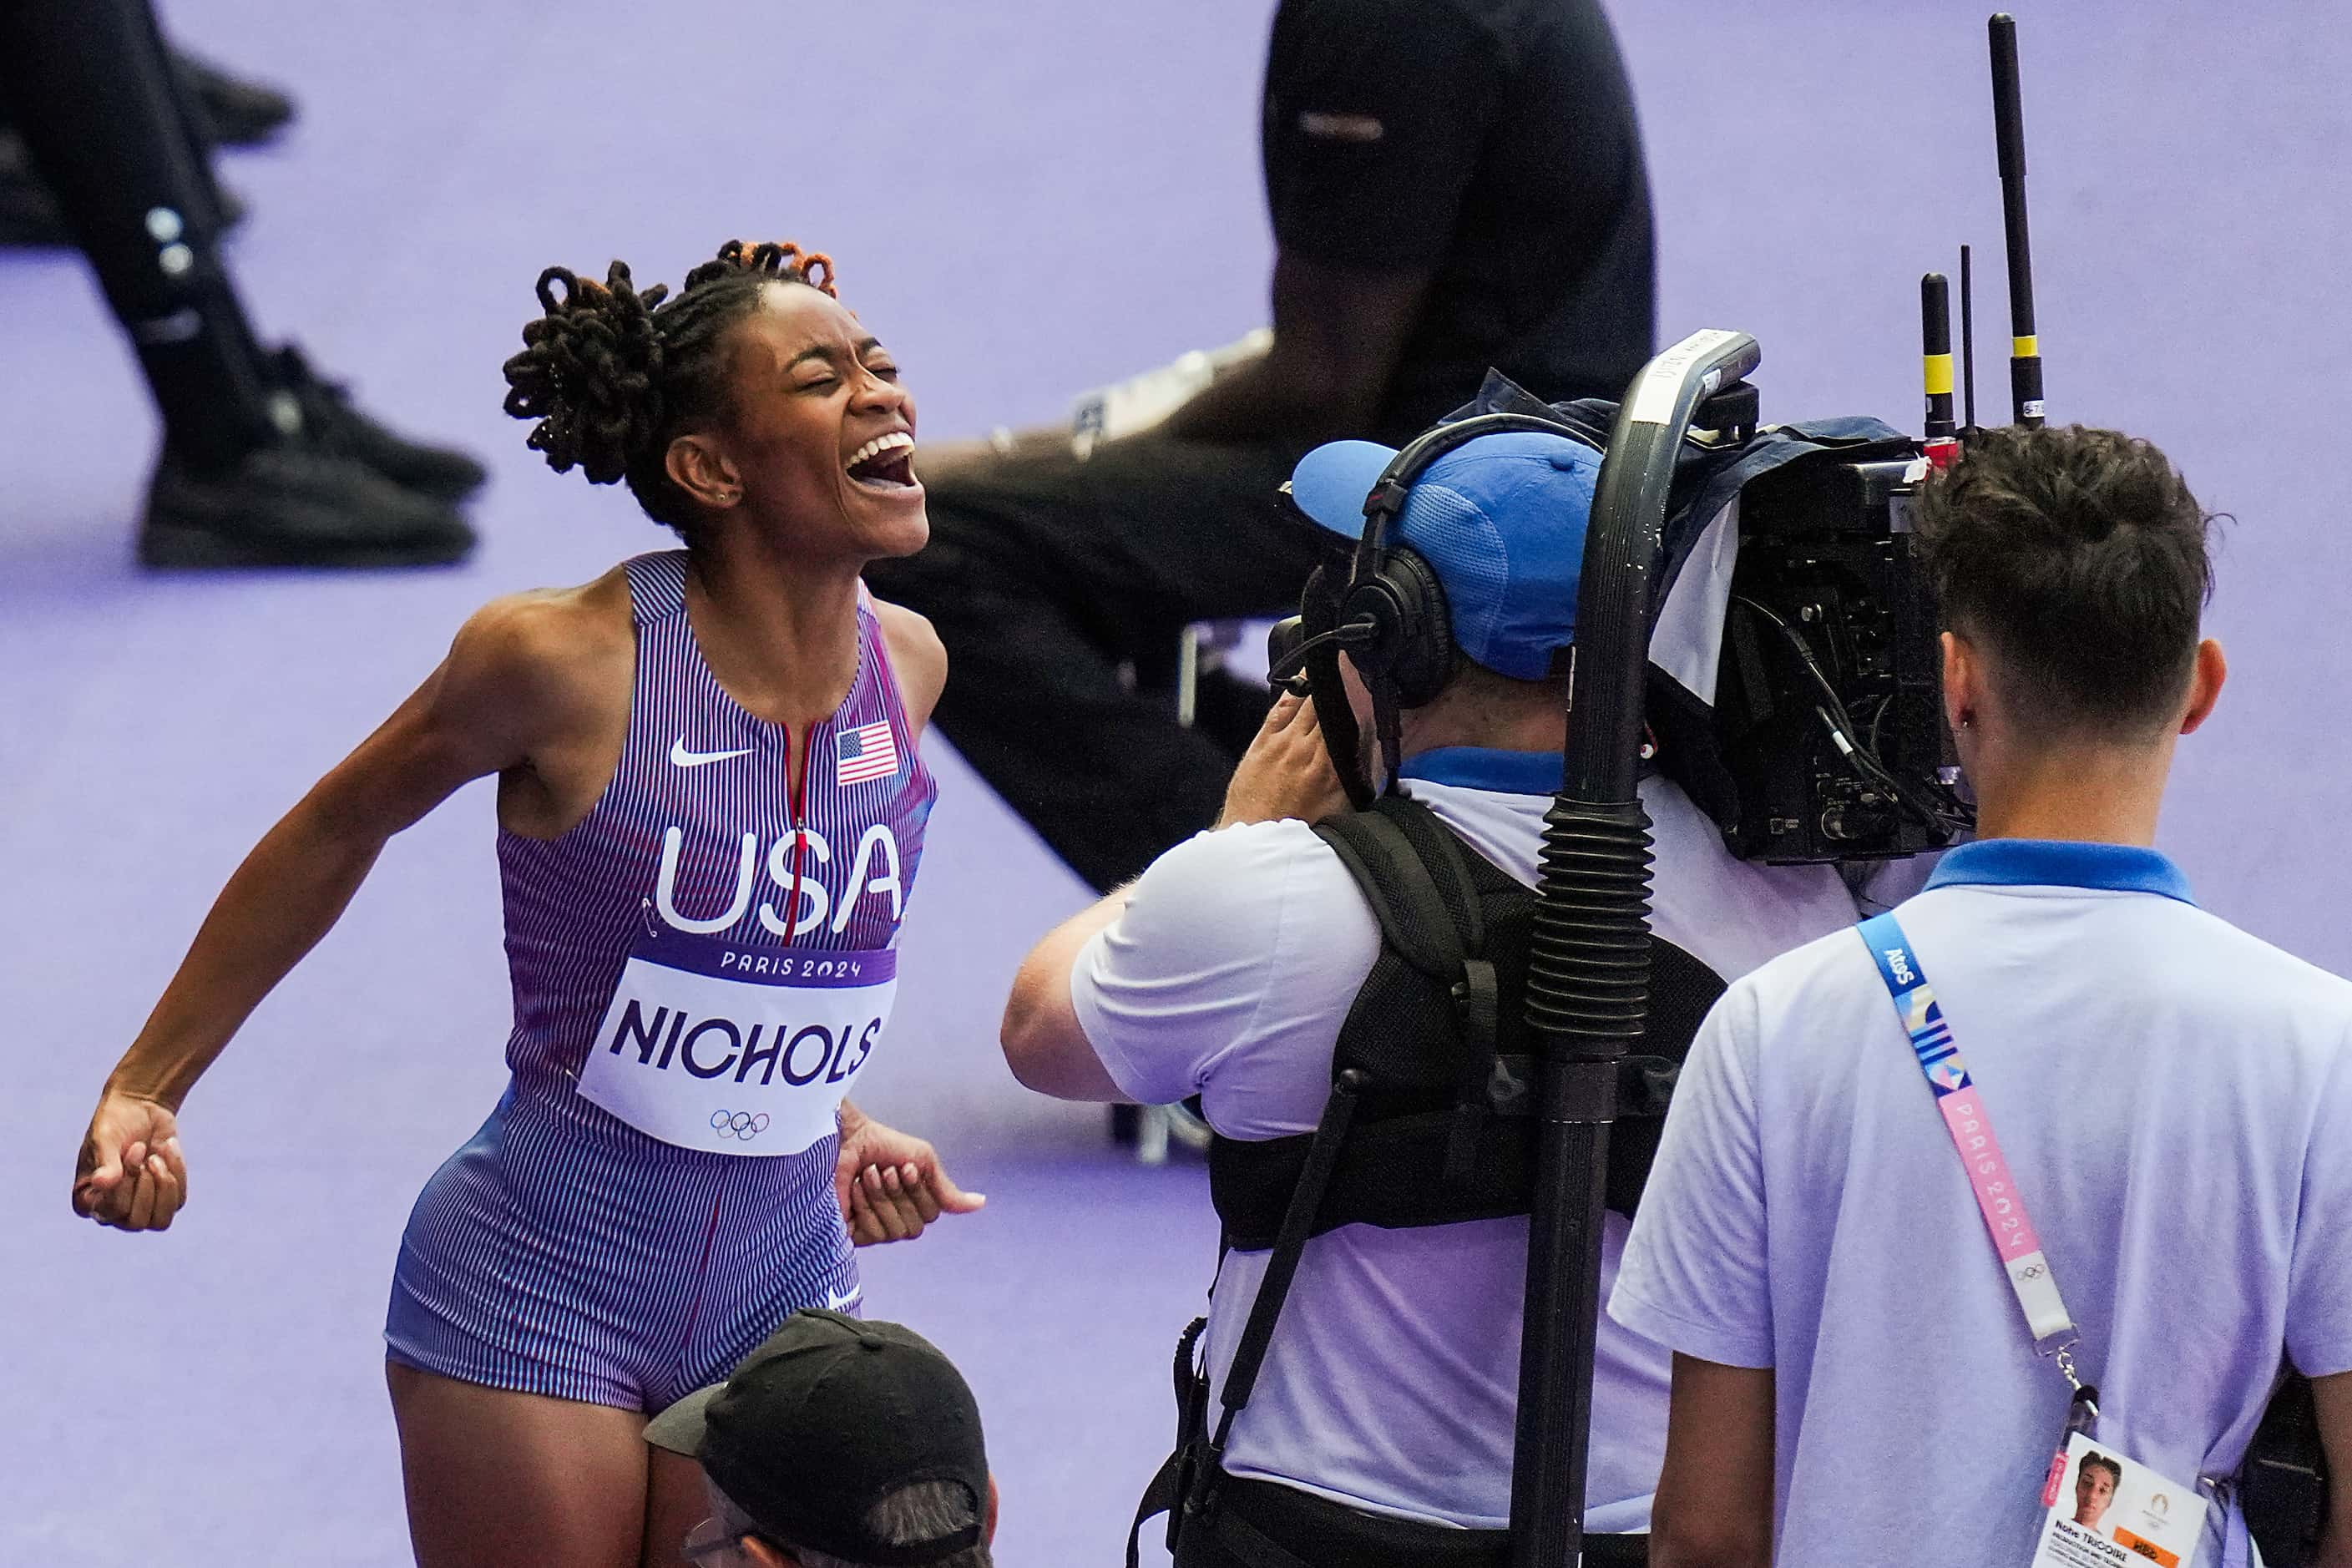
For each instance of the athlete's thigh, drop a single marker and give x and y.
(495, 1477)
(676, 1501)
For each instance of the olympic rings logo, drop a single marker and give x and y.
(744, 1124)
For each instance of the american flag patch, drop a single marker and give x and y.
(868, 752)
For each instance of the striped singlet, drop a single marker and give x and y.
(563, 1251)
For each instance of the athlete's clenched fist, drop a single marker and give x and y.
(131, 1174)
(891, 1184)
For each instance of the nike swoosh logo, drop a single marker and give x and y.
(840, 1303)
(679, 756)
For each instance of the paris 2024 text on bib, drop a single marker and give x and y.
(737, 1050)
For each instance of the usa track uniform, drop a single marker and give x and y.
(701, 966)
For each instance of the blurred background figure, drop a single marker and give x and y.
(1452, 185)
(225, 110)
(264, 462)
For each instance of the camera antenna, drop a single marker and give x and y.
(1935, 354)
(2008, 138)
(1968, 346)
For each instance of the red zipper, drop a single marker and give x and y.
(798, 798)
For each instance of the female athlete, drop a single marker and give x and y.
(710, 812)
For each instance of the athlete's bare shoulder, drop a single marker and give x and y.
(917, 656)
(544, 660)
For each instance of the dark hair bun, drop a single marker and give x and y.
(590, 373)
(612, 384)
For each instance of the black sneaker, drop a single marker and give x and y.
(230, 110)
(332, 424)
(292, 505)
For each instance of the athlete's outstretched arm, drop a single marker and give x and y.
(501, 693)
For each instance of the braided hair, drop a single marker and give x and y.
(614, 375)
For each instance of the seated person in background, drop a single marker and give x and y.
(837, 1444)
(264, 463)
(1453, 184)
(2172, 1096)
(1247, 960)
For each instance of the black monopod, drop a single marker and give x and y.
(1589, 957)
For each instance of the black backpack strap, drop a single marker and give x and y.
(1257, 1332)
(1245, 1543)
(1443, 859)
(1415, 923)
(1682, 990)
(1389, 1175)
(1166, 1490)
(1415, 875)
(1163, 1495)
(1476, 990)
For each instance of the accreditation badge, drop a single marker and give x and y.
(2107, 1511)
(737, 1050)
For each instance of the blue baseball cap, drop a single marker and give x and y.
(1500, 521)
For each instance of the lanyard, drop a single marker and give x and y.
(1998, 1199)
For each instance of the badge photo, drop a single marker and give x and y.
(2113, 1511)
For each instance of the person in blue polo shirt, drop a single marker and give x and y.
(1381, 1422)
(2142, 1178)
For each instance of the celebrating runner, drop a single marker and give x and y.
(710, 812)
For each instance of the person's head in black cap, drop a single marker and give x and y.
(837, 1444)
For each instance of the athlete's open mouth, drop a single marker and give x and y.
(884, 463)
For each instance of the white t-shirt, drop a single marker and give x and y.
(2175, 1099)
(1392, 1381)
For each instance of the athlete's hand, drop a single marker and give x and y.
(1286, 772)
(891, 1184)
(131, 1174)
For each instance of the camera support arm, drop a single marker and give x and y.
(1588, 979)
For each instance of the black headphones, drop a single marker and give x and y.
(1391, 616)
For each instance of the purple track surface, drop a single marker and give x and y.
(1025, 199)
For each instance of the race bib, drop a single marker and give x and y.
(2109, 1511)
(737, 1050)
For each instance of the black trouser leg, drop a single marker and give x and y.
(1043, 576)
(92, 91)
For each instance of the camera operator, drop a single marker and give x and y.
(1453, 183)
(1247, 960)
(2155, 1113)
